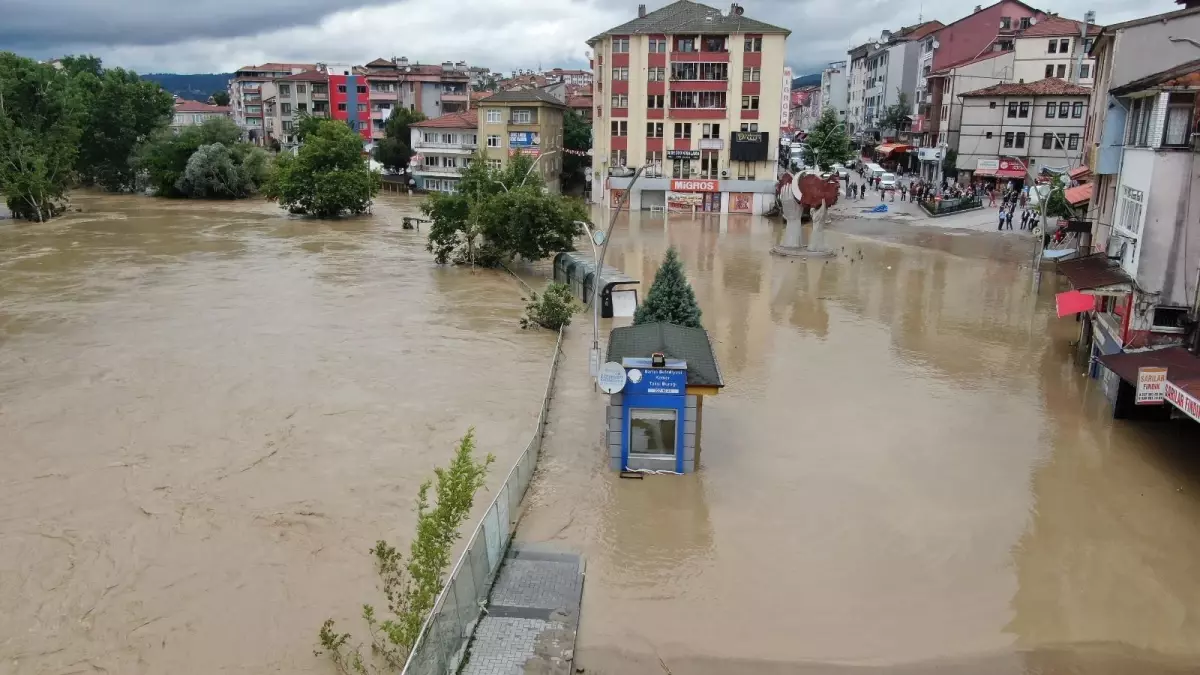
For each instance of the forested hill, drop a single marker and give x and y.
(192, 87)
(806, 80)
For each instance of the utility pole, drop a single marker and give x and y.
(1089, 18)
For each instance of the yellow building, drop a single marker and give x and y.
(524, 122)
(697, 95)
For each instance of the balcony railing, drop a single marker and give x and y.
(438, 145)
(320, 96)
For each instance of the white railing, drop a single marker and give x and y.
(437, 145)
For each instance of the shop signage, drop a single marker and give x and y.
(683, 154)
(1184, 401)
(523, 139)
(532, 152)
(930, 154)
(1151, 386)
(749, 146)
(785, 104)
(656, 382)
(694, 186)
(987, 165)
(712, 143)
(611, 378)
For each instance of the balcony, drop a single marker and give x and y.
(320, 95)
(323, 114)
(457, 148)
(455, 95)
(440, 171)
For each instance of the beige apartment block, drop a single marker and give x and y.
(528, 122)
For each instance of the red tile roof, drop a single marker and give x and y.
(306, 76)
(185, 106)
(1051, 86)
(457, 120)
(579, 102)
(1079, 172)
(986, 56)
(1079, 194)
(280, 66)
(923, 30)
(1057, 26)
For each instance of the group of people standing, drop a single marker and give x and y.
(1011, 198)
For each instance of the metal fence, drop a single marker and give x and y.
(442, 643)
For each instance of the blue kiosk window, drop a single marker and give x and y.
(653, 431)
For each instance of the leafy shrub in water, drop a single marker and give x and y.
(552, 309)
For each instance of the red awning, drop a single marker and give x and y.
(1080, 194)
(1009, 168)
(1074, 302)
(889, 148)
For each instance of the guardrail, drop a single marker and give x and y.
(442, 642)
(944, 207)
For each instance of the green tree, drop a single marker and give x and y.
(950, 162)
(497, 215)
(828, 142)
(41, 119)
(552, 309)
(121, 110)
(394, 151)
(216, 172)
(671, 298)
(305, 125)
(328, 177)
(220, 97)
(411, 588)
(163, 158)
(895, 117)
(577, 136)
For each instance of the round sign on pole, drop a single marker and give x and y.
(612, 377)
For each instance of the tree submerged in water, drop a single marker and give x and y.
(671, 299)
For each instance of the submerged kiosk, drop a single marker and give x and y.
(657, 376)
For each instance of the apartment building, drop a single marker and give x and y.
(856, 90)
(193, 113)
(805, 107)
(434, 90)
(305, 93)
(1055, 47)
(250, 87)
(833, 88)
(881, 71)
(579, 78)
(1011, 131)
(694, 94)
(444, 146)
(526, 122)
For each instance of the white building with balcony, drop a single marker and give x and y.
(444, 147)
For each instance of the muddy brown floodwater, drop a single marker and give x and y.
(210, 412)
(906, 473)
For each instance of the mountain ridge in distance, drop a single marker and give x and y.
(194, 87)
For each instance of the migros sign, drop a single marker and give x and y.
(694, 186)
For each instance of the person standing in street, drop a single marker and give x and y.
(991, 198)
(1000, 226)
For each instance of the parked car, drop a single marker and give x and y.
(887, 181)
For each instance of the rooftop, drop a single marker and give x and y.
(1183, 75)
(580, 102)
(1092, 271)
(185, 106)
(1057, 26)
(677, 342)
(457, 120)
(306, 76)
(985, 57)
(1051, 86)
(685, 16)
(279, 67)
(1167, 16)
(524, 96)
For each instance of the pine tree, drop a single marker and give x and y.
(670, 298)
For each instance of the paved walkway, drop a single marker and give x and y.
(532, 615)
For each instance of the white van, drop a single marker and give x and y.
(874, 171)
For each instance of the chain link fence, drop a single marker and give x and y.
(442, 643)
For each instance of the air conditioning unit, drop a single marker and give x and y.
(724, 173)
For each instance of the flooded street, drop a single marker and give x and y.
(211, 411)
(905, 472)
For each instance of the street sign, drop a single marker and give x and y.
(598, 237)
(1151, 386)
(612, 377)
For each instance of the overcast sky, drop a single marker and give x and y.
(201, 36)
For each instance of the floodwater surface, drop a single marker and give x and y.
(210, 412)
(905, 473)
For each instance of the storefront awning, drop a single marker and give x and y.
(1074, 302)
(1181, 365)
(1007, 167)
(889, 148)
(1093, 271)
(1184, 394)
(1080, 194)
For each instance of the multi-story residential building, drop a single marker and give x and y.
(694, 94)
(581, 104)
(1055, 47)
(349, 98)
(833, 88)
(580, 78)
(192, 113)
(890, 66)
(444, 146)
(805, 107)
(942, 122)
(856, 90)
(250, 87)
(434, 90)
(1011, 131)
(305, 93)
(526, 122)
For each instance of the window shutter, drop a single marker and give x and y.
(1159, 119)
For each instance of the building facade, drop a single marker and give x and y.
(695, 95)
(1055, 47)
(526, 122)
(834, 94)
(250, 87)
(444, 146)
(193, 113)
(1011, 131)
(856, 90)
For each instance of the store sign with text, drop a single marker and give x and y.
(523, 139)
(694, 186)
(987, 165)
(1187, 403)
(683, 154)
(712, 143)
(749, 146)
(1151, 386)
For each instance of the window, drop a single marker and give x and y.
(710, 131)
(987, 134)
(745, 171)
(654, 101)
(1060, 71)
(285, 108)
(1064, 46)
(620, 128)
(493, 141)
(1020, 139)
(620, 45)
(654, 130)
(681, 168)
(618, 158)
(341, 107)
(1064, 109)
(1005, 23)
(620, 101)
(751, 74)
(1051, 141)
(711, 100)
(1050, 70)
(700, 71)
(945, 111)
(658, 46)
(301, 88)
(1138, 130)
(709, 163)
(1129, 210)
(1012, 110)
(1073, 142)
(341, 88)
(1087, 45)
(522, 116)
(1050, 108)
(685, 45)
(302, 107)
(495, 164)
(430, 137)
(362, 88)
(658, 74)
(991, 105)
(1177, 132)
(362, 107)
(620, 74)
(1009, 138)
(285, 90)
(494, 116)
(652, 431)
(1024, 109)
(1025, 22)
(1052, 48)
(753, 44)
(1171, 319)
(654, 161)
(683, 130)
(1085, 71)
(750, 127)
(749, 103)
